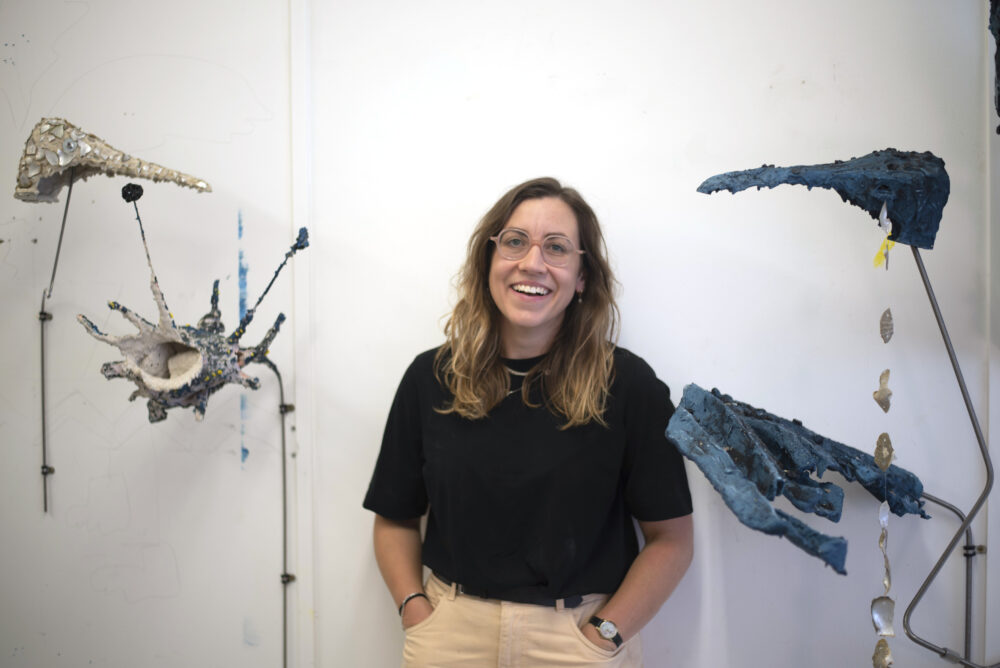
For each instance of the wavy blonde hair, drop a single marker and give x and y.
(576, 374)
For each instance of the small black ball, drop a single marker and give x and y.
(131, 192)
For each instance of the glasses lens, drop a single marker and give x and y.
(556, 250)
(513, 244)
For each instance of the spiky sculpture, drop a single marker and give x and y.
(182, 366)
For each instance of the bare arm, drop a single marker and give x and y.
(650, 580)
(397, 551)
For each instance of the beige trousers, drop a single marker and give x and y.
(473, 632)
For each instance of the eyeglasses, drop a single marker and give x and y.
(556, 249)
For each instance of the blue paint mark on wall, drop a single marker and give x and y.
(242, 269)
(243, 428)
(251, 636)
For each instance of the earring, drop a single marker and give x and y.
(579, 297)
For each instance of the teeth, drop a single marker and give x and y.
(531, 289)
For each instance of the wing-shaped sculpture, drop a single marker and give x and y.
(913, 187)
(58, 152)
(751, 456)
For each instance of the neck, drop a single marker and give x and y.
(518, 344)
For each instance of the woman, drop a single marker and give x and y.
(534, 441)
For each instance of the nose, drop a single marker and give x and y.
(533, 260)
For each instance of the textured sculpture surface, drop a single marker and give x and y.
(175, 366)
(750, 456)
(58, 152)
(912, 186)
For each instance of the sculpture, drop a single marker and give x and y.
(750, 456)
(182, 366)
(912, 187)
(58, 153)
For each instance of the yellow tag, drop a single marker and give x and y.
(882, 252)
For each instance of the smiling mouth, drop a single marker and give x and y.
(530, 289)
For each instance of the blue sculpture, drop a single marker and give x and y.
(751, 456)
(913, 187)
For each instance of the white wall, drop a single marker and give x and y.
(426, 112)
(162, 546)
(390, 127)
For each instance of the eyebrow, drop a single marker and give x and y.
(525, 233)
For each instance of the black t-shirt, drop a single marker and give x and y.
(516, 504)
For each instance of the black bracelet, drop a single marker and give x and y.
(408, 598)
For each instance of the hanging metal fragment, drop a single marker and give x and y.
(883, 220)
(883, 451)
(885, 325)
(883, 393)
(883, 611)
(883, 542)
(882, 658)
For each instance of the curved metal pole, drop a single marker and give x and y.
(286, 577)
(946, 653)
(970, 546)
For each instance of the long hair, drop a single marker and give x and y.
(576, 374)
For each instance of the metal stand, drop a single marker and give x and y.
(44, 317)
(970, 549)
(286, 577)
(944, 652)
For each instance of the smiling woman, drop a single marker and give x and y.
(532, 442)
(530, 291)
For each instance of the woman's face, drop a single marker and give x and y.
(532, 296)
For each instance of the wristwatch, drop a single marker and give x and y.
(607, 629)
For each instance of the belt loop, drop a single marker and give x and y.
(560, 604)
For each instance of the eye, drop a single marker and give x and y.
(513, 240)
(558, 246)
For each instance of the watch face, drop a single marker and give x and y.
(607, 629)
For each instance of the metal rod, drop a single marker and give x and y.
(944, 652)
(62, 229)
(286, 577)
(970, 544)
(43, 317)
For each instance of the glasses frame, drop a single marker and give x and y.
(534, 242)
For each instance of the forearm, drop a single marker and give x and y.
(397, 551)
(653, 575)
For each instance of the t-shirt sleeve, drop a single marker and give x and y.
(656, 486)
(397, 490)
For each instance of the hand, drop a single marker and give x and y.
(417, 610)
(590, 632)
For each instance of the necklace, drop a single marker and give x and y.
(516, 374)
